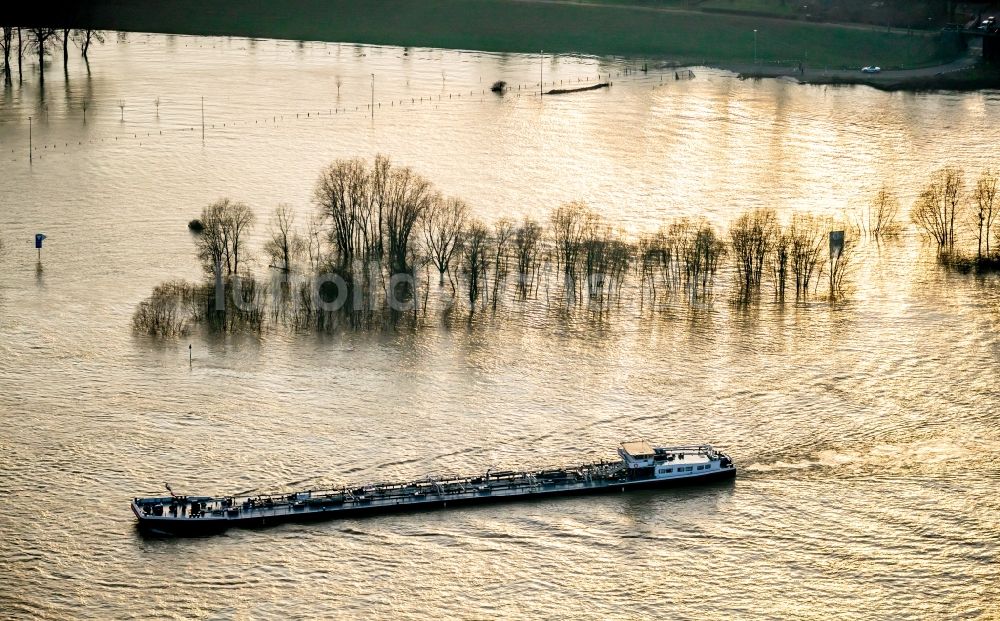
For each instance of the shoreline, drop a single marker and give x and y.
(966, 74)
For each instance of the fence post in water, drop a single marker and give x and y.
(189, 355)
(541, 66)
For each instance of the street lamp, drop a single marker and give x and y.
(755, 46)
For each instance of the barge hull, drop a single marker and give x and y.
(210, 525)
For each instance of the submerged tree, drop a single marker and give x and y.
(372, 211)
(169, 310)
(879, 219)
(752, 236)
(41, 38)
(780, 255)
(702, 261)
(503, 231)
(6, 41)
(85, 39)
(606, 259)
(806, 239)
(527, 240)
(284, 245)
(570, 224)
(475, 252)
(345, 198)
(443, 225)
(222, 243)
(404, 197)
(653, 260)
(938, 206)
(985, 208)
(840, 264)
(314, 241)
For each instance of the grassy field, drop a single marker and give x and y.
(520, 26)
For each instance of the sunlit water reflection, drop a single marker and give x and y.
(865, 430)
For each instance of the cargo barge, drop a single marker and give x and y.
(641, 466)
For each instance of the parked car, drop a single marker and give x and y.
(871, 69)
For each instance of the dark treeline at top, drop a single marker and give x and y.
(601, 27)
(383, 238)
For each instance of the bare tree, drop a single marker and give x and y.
(41, 37)
(807, 235)
(752, 236)
(86, 37)
(527, 239)
(222, 240)
(606, 257)
(284, 246)
(879, 219)
(20, 55)
(239, 222)
(780, 254)
(840, 264)
(211, 241)
(344, 196)
(404, 200)
(65, 42)
(475, 248)
(938, 205)
(503, 231)
(702, 258)
(654, 260)
(6, 40)
(569, 229)
(984, 195)
(314, 241)
(679, 242)
(442, 227)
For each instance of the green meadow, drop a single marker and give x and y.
(611, 28)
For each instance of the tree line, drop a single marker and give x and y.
(366, 255)
(378, 231)
(19, 42)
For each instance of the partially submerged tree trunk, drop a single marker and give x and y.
(284, 245)
(936, 209)
(41, 37)
(443, 225)
(6, 40)
(86, 37)
(986, 208)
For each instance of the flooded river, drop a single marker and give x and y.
(866, 431)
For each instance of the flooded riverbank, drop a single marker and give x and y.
(861, 429)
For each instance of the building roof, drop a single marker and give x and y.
(637, 448)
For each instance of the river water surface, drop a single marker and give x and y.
(866, 431)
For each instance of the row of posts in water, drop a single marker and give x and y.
(39, 150)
